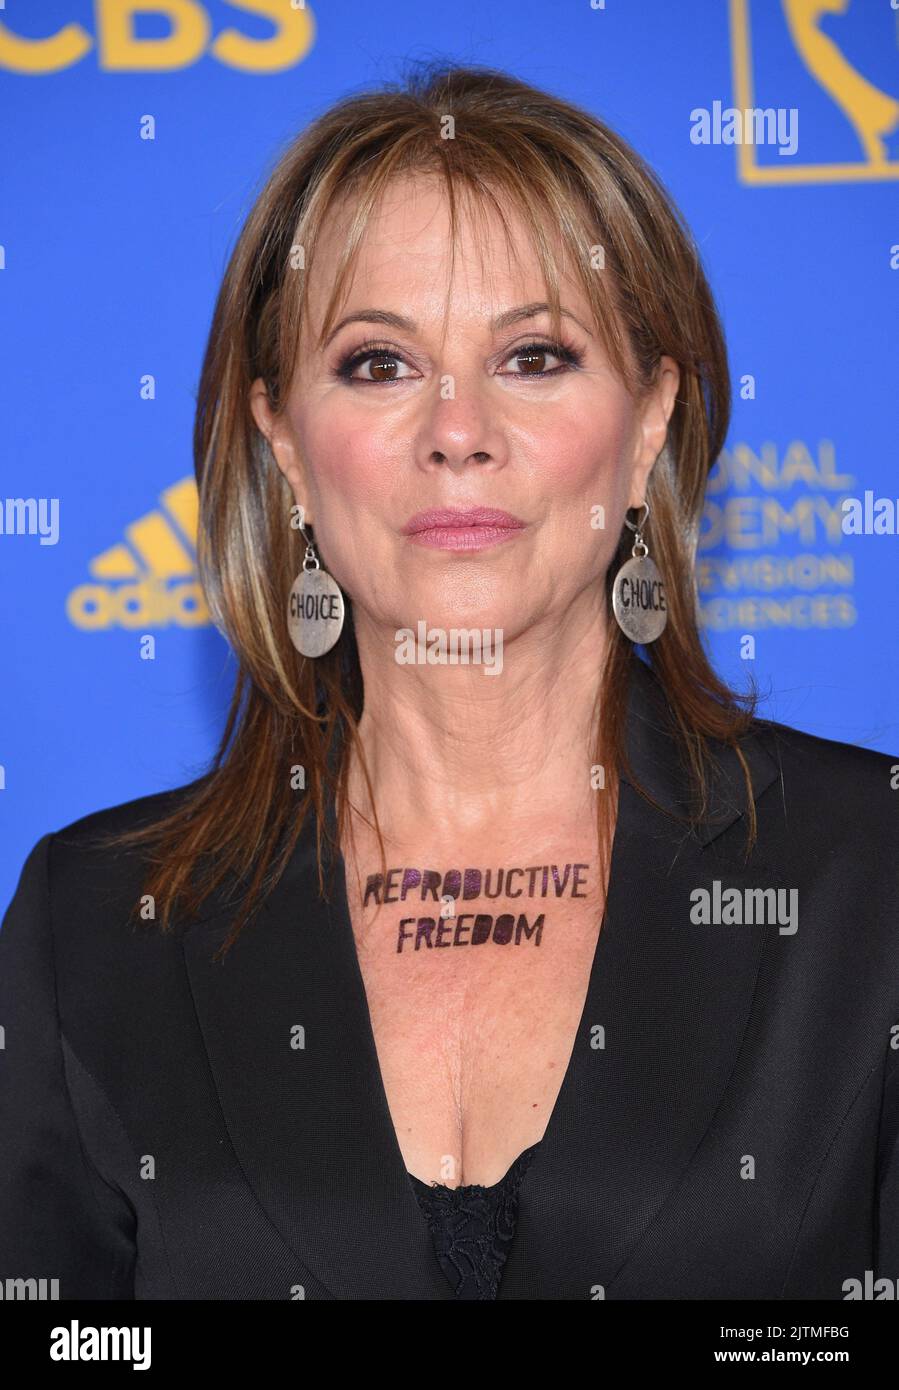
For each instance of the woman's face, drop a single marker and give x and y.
(480, 411)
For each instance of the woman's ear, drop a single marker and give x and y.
(281, 442)
(654, 427)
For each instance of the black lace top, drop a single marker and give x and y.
(473, 1228)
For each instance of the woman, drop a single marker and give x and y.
(494, 957)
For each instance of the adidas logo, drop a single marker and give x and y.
(152, 580)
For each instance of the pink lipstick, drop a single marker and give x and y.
(471, 528)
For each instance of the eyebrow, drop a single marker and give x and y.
(405, 325)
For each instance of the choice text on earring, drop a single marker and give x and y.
(314, 612)
(638, 599)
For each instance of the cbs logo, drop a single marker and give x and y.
(188, 39)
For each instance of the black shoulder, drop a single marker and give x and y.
(812, 750)
(85, 866)
(845, 779)
(95, 826)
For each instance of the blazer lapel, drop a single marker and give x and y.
(672, 999)
(306, 1110)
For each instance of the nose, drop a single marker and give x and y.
(460, 428)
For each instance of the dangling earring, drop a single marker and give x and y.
(315, 609)
(638, 594)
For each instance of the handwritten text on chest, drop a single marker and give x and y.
(473, 928)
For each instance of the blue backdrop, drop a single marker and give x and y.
(113, 245)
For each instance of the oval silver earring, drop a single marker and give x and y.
(638, 593)
(315, 607)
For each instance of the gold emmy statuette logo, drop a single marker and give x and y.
(150, 579)
(872, 113)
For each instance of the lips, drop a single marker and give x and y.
(455, 519)
(471, 528)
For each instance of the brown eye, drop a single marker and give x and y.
(383, 368)
(532, 360)
(383, 364)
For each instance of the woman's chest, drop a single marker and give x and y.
(475, 982)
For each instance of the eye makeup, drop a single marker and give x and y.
(570, 358)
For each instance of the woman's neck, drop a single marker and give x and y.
(449, 745)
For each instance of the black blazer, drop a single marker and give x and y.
(162, 1138)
